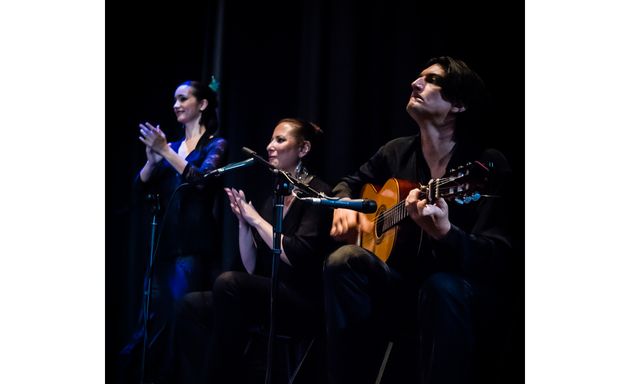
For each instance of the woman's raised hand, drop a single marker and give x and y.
(155, 141)
(244, 211)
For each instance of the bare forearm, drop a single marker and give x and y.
(247, 247)
(174, 159)
(266, 233)
(147, 170)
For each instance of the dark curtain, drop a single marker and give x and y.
(346, 65)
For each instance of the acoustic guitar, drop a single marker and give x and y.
(386, 232)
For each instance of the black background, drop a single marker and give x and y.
(347, 66)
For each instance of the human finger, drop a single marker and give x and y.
(150, 126)
(342, 222)
(415, 207)
(240, 196)
(229, 193)
(438, 207)
(413, 196)
(233, 204)
(417, 204)
(143, 129)
(336, 228)
(441, 203)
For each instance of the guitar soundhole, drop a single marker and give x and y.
(379, 226)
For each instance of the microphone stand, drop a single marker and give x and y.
(283, 186)
(155, 209)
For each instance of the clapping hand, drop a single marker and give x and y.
(244, 211)
(155, 141)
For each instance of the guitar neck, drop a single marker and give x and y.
(460, 183)
(393, 216)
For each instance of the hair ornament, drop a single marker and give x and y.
(214, 84)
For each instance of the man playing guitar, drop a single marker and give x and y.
(451, 262)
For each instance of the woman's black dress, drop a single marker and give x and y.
(186, 252)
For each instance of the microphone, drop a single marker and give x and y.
(361, 205)
(248, 151)
(256, 156)
(295, 182)
(219, 171)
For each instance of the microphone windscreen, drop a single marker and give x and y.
(248, 151)
(371, 206)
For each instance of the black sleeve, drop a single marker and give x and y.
(213, 159)
(374, 171)
(308, 240)
(490, 243)
(307, 247)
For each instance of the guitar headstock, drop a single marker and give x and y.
(462, 184)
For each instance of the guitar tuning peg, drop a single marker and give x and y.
(476, 196)
(459, 201)
(467, 199)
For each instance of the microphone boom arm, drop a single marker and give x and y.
(296, 183)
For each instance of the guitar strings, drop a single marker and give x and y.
(398, 211)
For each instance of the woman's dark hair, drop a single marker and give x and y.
(202, 91)
(305, 130)
(461, 85)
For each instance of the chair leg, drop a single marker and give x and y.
(289, 359)
(297, 368)
(249, 344)
(384, 363)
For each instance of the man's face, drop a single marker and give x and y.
(426, 99)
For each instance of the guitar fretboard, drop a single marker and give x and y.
(448, 187)
(393, 216)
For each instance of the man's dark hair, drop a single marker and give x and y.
(461, 85)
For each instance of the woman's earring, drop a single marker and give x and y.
(301, 173)
(298, 169)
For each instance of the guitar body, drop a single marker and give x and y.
(405, 235)
(389, 231)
